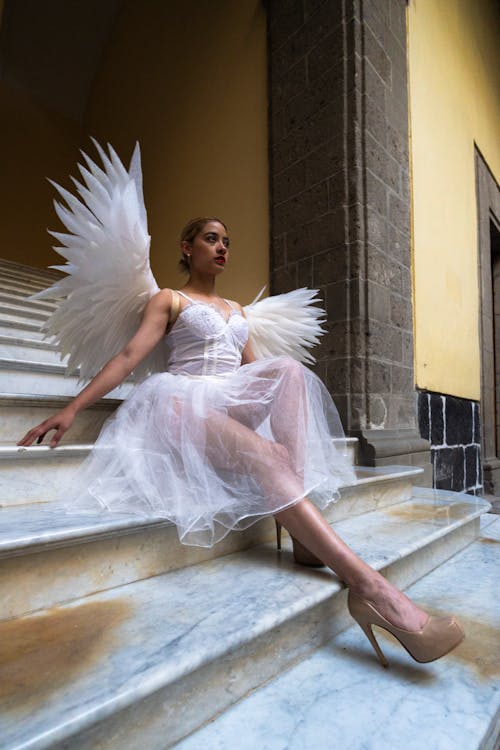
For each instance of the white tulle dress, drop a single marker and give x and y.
(213, 445)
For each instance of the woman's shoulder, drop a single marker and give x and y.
(164, 298)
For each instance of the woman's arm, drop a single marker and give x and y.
(153, 326)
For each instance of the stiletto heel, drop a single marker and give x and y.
(301, 554)
(367, 630)
(436, 639)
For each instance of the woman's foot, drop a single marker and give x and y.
(391, 603)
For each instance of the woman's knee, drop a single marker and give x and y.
(292, 373)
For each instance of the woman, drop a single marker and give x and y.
(222, 439)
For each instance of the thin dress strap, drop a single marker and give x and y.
(185, 296)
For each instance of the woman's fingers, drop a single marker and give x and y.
(36, 433)
(61, 422)
(56, 438)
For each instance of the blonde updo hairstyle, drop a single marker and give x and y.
(190, 231)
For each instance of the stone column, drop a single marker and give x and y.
(340, 203)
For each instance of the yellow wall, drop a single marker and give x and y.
(188, 80)
(454, 81)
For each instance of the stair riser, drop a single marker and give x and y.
(32, 276)
(162, 719)
(14, 320)
(21, 290)
(30, 353)
(23, 381)
(12, 297)
(20, 329)
(23, 312)
(36, 480)
(20, 287)
(126, 557)
(16, 420)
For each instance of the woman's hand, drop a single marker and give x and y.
(61, 422)
(152, 329)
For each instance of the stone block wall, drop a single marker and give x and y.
(452, 425)
(340, 194)
(340, 204)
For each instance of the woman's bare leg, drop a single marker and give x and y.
(235, 446)
(305, 523)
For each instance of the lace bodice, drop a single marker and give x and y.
(203, 341)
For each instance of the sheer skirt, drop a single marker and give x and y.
(217, 453)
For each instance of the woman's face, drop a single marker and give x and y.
(209, 250)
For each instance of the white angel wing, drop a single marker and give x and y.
(285, 324)
(109, 281)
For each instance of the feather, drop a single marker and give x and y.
(287, 324)
(109, 279)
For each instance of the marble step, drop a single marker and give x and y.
(19, 286)
(26, 285)
(31, 273)
(16, 320)
(15, 297)
(36, 377)
(22, 312)
(24, 348)
(21, 412)
(10, 325)
(341, 691)
(50, 556)
(144, 665)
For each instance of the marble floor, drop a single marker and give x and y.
(342, 698)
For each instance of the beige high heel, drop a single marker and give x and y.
(438, 636)
(301, 554)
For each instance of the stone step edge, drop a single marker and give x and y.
(11, 450)
(8, 309)
(20, 325)
(105, 525)
(53, 368)
(34, 283)
(23, 311)
(33, 366)
(23, 453)
(15, 298)
(27, 342)
(47, 401)
(154, 678)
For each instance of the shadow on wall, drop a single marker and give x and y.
(200, 115)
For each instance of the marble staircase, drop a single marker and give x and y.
(112, 634)
(322, 703)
